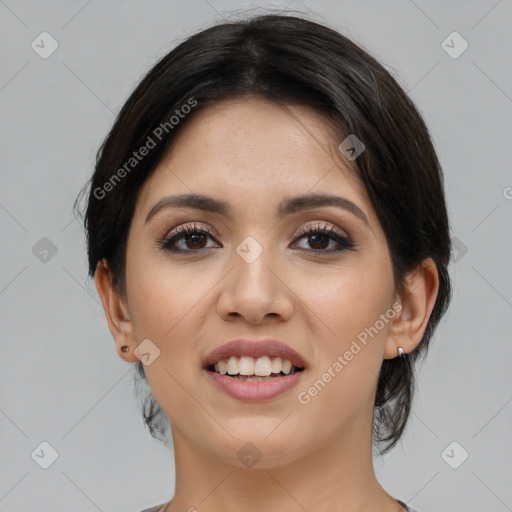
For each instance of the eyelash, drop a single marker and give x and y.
(166, 243)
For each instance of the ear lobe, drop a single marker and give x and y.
(409, 324)
(116, 311)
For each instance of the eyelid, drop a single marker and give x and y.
(341, 236)
(304, 229)
(321, 225)
(169, 232)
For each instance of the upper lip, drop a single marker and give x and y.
(255, 348)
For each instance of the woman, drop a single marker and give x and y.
(267, 229)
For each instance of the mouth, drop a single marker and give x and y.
(254, 369)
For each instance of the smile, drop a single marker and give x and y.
(254, 369)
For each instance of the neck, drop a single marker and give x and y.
(334, 475)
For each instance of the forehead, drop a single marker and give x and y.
(254, 150)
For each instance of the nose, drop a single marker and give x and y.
(258, 291)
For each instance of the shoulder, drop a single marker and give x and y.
(407, 508)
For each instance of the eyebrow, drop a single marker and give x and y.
(288, 206)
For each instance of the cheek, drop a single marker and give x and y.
(167, 308)
(347, 299)
(162, 295)
(349, 341)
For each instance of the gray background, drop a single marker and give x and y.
(61, 380)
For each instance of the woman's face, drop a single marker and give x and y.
(253, 156)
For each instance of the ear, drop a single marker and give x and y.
(117, 313)
(407, 327)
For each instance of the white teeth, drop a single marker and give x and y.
(286, 367)
(247, 366)
(277, 364)
(233, 365)
(263, 366)
(222, 367)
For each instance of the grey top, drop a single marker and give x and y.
(158, 507)
(408, 509)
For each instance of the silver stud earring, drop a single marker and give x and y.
(401, 352)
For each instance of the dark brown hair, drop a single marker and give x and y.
(289, 60)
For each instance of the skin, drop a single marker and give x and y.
(315, 457)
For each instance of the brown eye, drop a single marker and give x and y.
(320, 236)
(196, 240)
(319, 241)
(190, 238)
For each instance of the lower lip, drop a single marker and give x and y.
(254, 390)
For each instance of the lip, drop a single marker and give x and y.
(255, 348)
(253, 391)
